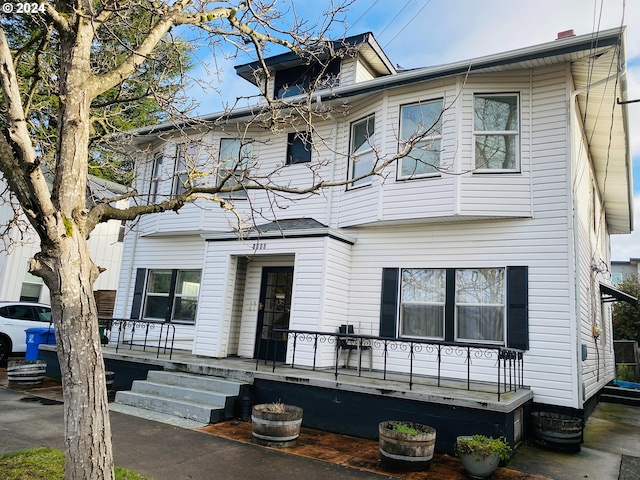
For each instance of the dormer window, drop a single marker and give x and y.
(302, 78)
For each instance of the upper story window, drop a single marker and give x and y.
(421, 124)
(303, 78)
(298, 148)
(156, 174)
(186, 161)
(361, 152)
(233, 167)
(496, 132)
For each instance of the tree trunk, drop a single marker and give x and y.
(70, 273)
(66, 266)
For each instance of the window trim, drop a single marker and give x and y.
(514, 133)
(352, 161)
(402, 142)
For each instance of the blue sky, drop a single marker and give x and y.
(419, 33)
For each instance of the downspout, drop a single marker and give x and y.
(575, 227)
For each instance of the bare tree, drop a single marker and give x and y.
(86, 61)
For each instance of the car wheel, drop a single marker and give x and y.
(5, 350)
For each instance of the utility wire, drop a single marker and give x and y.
(407, 24)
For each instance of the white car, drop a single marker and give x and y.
(15, 318)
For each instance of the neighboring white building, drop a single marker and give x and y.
(507, 248)
(105, 245)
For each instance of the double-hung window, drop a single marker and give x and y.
(423, 303)
(172, 295)
(186, 161)
(480, 305)
(496, 132)
(156, 173)
(233, 166)
(465, 305)
(420, 133)
(362, 153)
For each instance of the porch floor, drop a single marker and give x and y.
(451, 392)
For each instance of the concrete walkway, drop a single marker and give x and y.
(33, 418)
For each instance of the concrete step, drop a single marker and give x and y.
(620, 399)
(214, 399)
(156, 416)
(179, 408)
(197, 398)
(199, 382)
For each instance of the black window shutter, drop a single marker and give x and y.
(518, 308)
(138, 290)
(450, 306)
(389, 302)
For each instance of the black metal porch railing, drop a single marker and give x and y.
(507, 362)
(140, 333)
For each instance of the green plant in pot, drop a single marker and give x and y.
(480, 455)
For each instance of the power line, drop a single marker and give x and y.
(360, 18)
(394, 18)
(407, 24)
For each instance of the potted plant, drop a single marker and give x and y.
(480, 455)
(276, 424)
(406, 445)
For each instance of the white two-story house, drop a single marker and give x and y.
(493, 230)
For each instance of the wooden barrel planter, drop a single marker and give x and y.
(406, 446)
(276, 425)
(557, 431)
(26, 372)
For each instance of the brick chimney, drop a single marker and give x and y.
(566, 34)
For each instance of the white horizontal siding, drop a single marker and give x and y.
(483, 244)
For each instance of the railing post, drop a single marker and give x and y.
(411, 346)
(439, 363)
(386, 353)
(295, 345)
(468, 368)
(315, 351)
(499, 358)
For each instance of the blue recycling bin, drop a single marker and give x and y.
(38, 336)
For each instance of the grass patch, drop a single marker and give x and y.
(44, 464)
